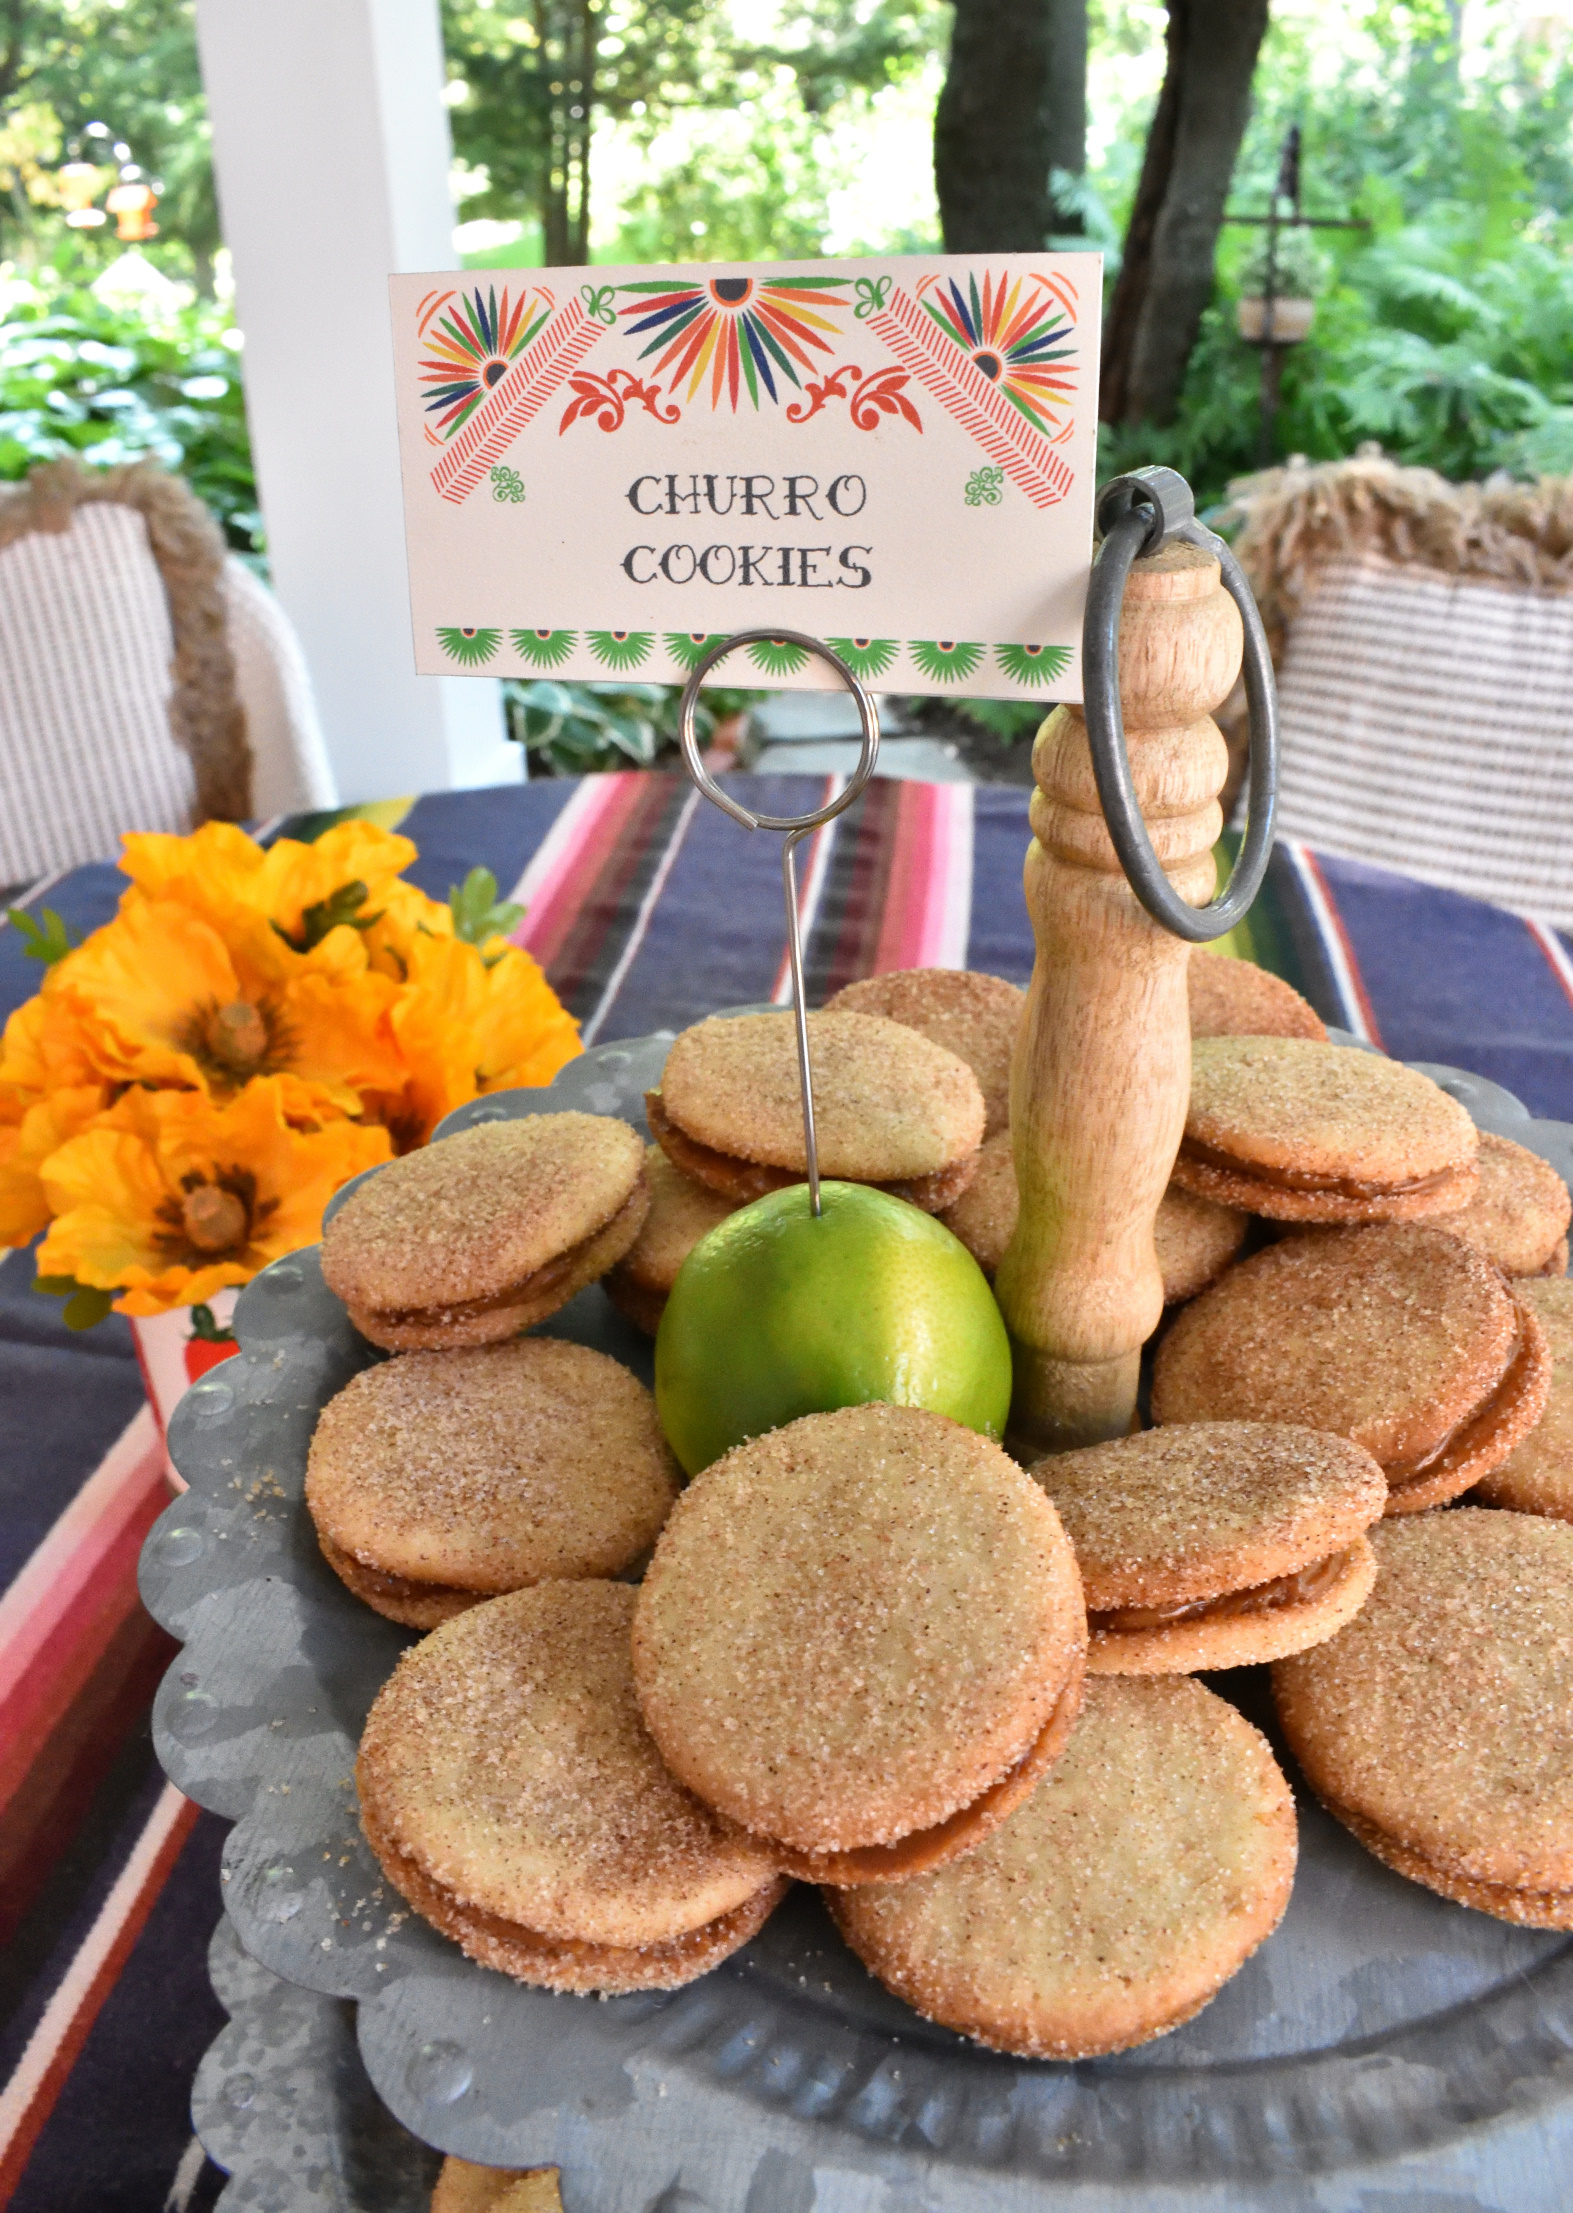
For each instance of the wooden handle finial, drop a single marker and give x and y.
(1102, 1069)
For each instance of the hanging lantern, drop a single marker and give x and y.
(132, 206)
(78, 181)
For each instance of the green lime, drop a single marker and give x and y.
(776, 1314)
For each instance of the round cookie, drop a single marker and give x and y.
(1401, 1338)
(861, 1637)
(464, 2187)
(1519, 1214)
(476, 1238)
(1235, 998)
(513, 1795)
(1303, 1132)
(681, 1212)
(976, 1017)
(443, 1478)
(1216, 1544)
(1537, 1475)
(1140, 1875)
(890, 1107)
(1195, 1239)
(1438, 1727)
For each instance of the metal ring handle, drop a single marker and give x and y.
(795, 826)
(1140, 514)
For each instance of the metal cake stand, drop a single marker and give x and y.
(1381, 2037)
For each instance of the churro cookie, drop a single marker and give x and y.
(681, 1212)
(444, 1478)
(477, 1237)
(1196, 1240)
(1519, 1214)
(1139, 1876)
(1303, 1132)
(890, 1107)
(1438, 1727)
(1401, 1338)
(1216, 1544)
(463, 2187)
(862, 1637)
(514, 1797)
(1235, 998)
(976, 1017)
(1537, 1475)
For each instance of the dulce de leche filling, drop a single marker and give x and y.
(1301, 1179)
(753, 1179)
(1399, 1473)
(522, 1293)
(1299, 1589)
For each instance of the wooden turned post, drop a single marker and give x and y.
(1101, 1075)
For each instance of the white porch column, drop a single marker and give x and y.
(331, 148)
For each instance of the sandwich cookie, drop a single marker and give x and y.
(513, 1796)
(975, 1017)
(1195, 1239)
(1235, 998)
(1140, 1875)
(1537, 1475)
(1216, 1544)
(1438, 1727)
(444, 1478)
(474, 1239)
(862, 1638)
(1519, 1214)
(1303, 1132)
(681, 1212)
(890, 1107)
(463, 2187)
(1400, 1338)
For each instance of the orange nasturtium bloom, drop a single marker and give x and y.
(169, 1198)
(470, 1022)
(50, 1090)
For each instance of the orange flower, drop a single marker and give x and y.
(31, 1132)
(169, 1198)
(469, 1023)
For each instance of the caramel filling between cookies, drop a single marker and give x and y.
(383, 1583)
(1301, 1179)
(523, 1293)
(1302, 1588)
(755, 1179)
(1467, 1433)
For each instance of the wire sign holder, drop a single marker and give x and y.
(797, 827)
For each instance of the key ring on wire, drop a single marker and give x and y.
(796, 827)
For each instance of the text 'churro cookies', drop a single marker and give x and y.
(1537, 1475)
(862, 1638)
(976, 1017)
(1438, 1727)
(1216, 1544)
(443, 1478)
(512, 1794)
(1302, 1132)
(890, 1107)
(1142, 1873)
(1401, 1338)
(480, 1235)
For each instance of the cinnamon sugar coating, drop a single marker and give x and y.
(1142, 1873)
(464, 2187)
(1441, 1719)
(681, 1212)
(1537, 1475)
(854, 1625)
(488, 1469)
(974, 1016)
(1195, 1240)
(1236, 998)
(889, 1105)
(1519, 1214)
(442, 1245)
(506, 1760)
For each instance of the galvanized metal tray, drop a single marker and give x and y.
(1380, 2029)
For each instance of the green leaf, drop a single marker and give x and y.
(85, 1305)
(205, 1324)
(478, 914)
(45, 938)
(339, 909)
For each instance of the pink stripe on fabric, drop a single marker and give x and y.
(810, 889)
(554, 865)
(521, 395)
(636, 936)
(928, 902)
(1558, 959)
(1359, 1014)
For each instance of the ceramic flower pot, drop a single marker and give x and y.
(173, 1349)
(1292, 320)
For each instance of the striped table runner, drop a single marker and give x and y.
(647, 909)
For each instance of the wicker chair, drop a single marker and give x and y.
(1423, 633)
(148, 681)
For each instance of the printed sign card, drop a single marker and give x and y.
(608, 470)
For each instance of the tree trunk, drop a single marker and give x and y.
(1166, 277)
(1013, 108)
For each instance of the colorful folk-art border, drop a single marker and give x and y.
(672, 655)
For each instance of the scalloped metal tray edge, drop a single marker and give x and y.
(1379, 2025)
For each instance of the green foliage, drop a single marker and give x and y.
(339, 910)
(205, 1326)
(85, 1305)
(578, 729)
(478, 914)
(104, 383)
(44, 937)
(1005, 719)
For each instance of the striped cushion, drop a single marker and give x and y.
(85, 744)
(1428, 726)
